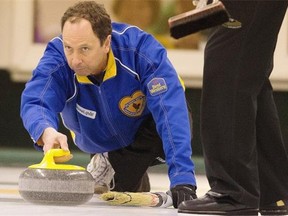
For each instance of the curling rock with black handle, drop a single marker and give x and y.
(56, 184)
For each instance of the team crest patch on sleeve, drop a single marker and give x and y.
(133, 105)
(157, 86)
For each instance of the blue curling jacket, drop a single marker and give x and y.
(139, 81)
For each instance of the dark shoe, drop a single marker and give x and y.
(213, 203)
(278, 208)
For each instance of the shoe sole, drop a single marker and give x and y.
(274, 212)
(236, 212)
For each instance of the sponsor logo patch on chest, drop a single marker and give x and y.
(157, 86)
(133, 105)
(86, 112)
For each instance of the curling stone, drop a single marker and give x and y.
(56, 184)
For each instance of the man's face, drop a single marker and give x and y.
(82, 48)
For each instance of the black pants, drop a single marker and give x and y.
(131, 163)
(244, 152)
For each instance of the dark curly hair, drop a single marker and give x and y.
(93, 12)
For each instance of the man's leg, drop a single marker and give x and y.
(131, 163)
(237, 64)
(272, 155)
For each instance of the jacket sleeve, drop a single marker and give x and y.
(167, 102)
(45, 94)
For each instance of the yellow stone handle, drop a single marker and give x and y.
(48, 161)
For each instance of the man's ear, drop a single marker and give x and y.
(107, 43)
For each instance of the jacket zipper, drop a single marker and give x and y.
(107, 117)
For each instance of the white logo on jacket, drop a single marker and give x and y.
(86, 112)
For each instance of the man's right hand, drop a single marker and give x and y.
(51, 138)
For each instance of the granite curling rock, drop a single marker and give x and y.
(56, 184)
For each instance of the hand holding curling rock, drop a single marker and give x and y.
(56, 184)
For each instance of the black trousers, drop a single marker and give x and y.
(131, 163)
(242, 143)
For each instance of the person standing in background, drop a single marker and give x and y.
(245, 157)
